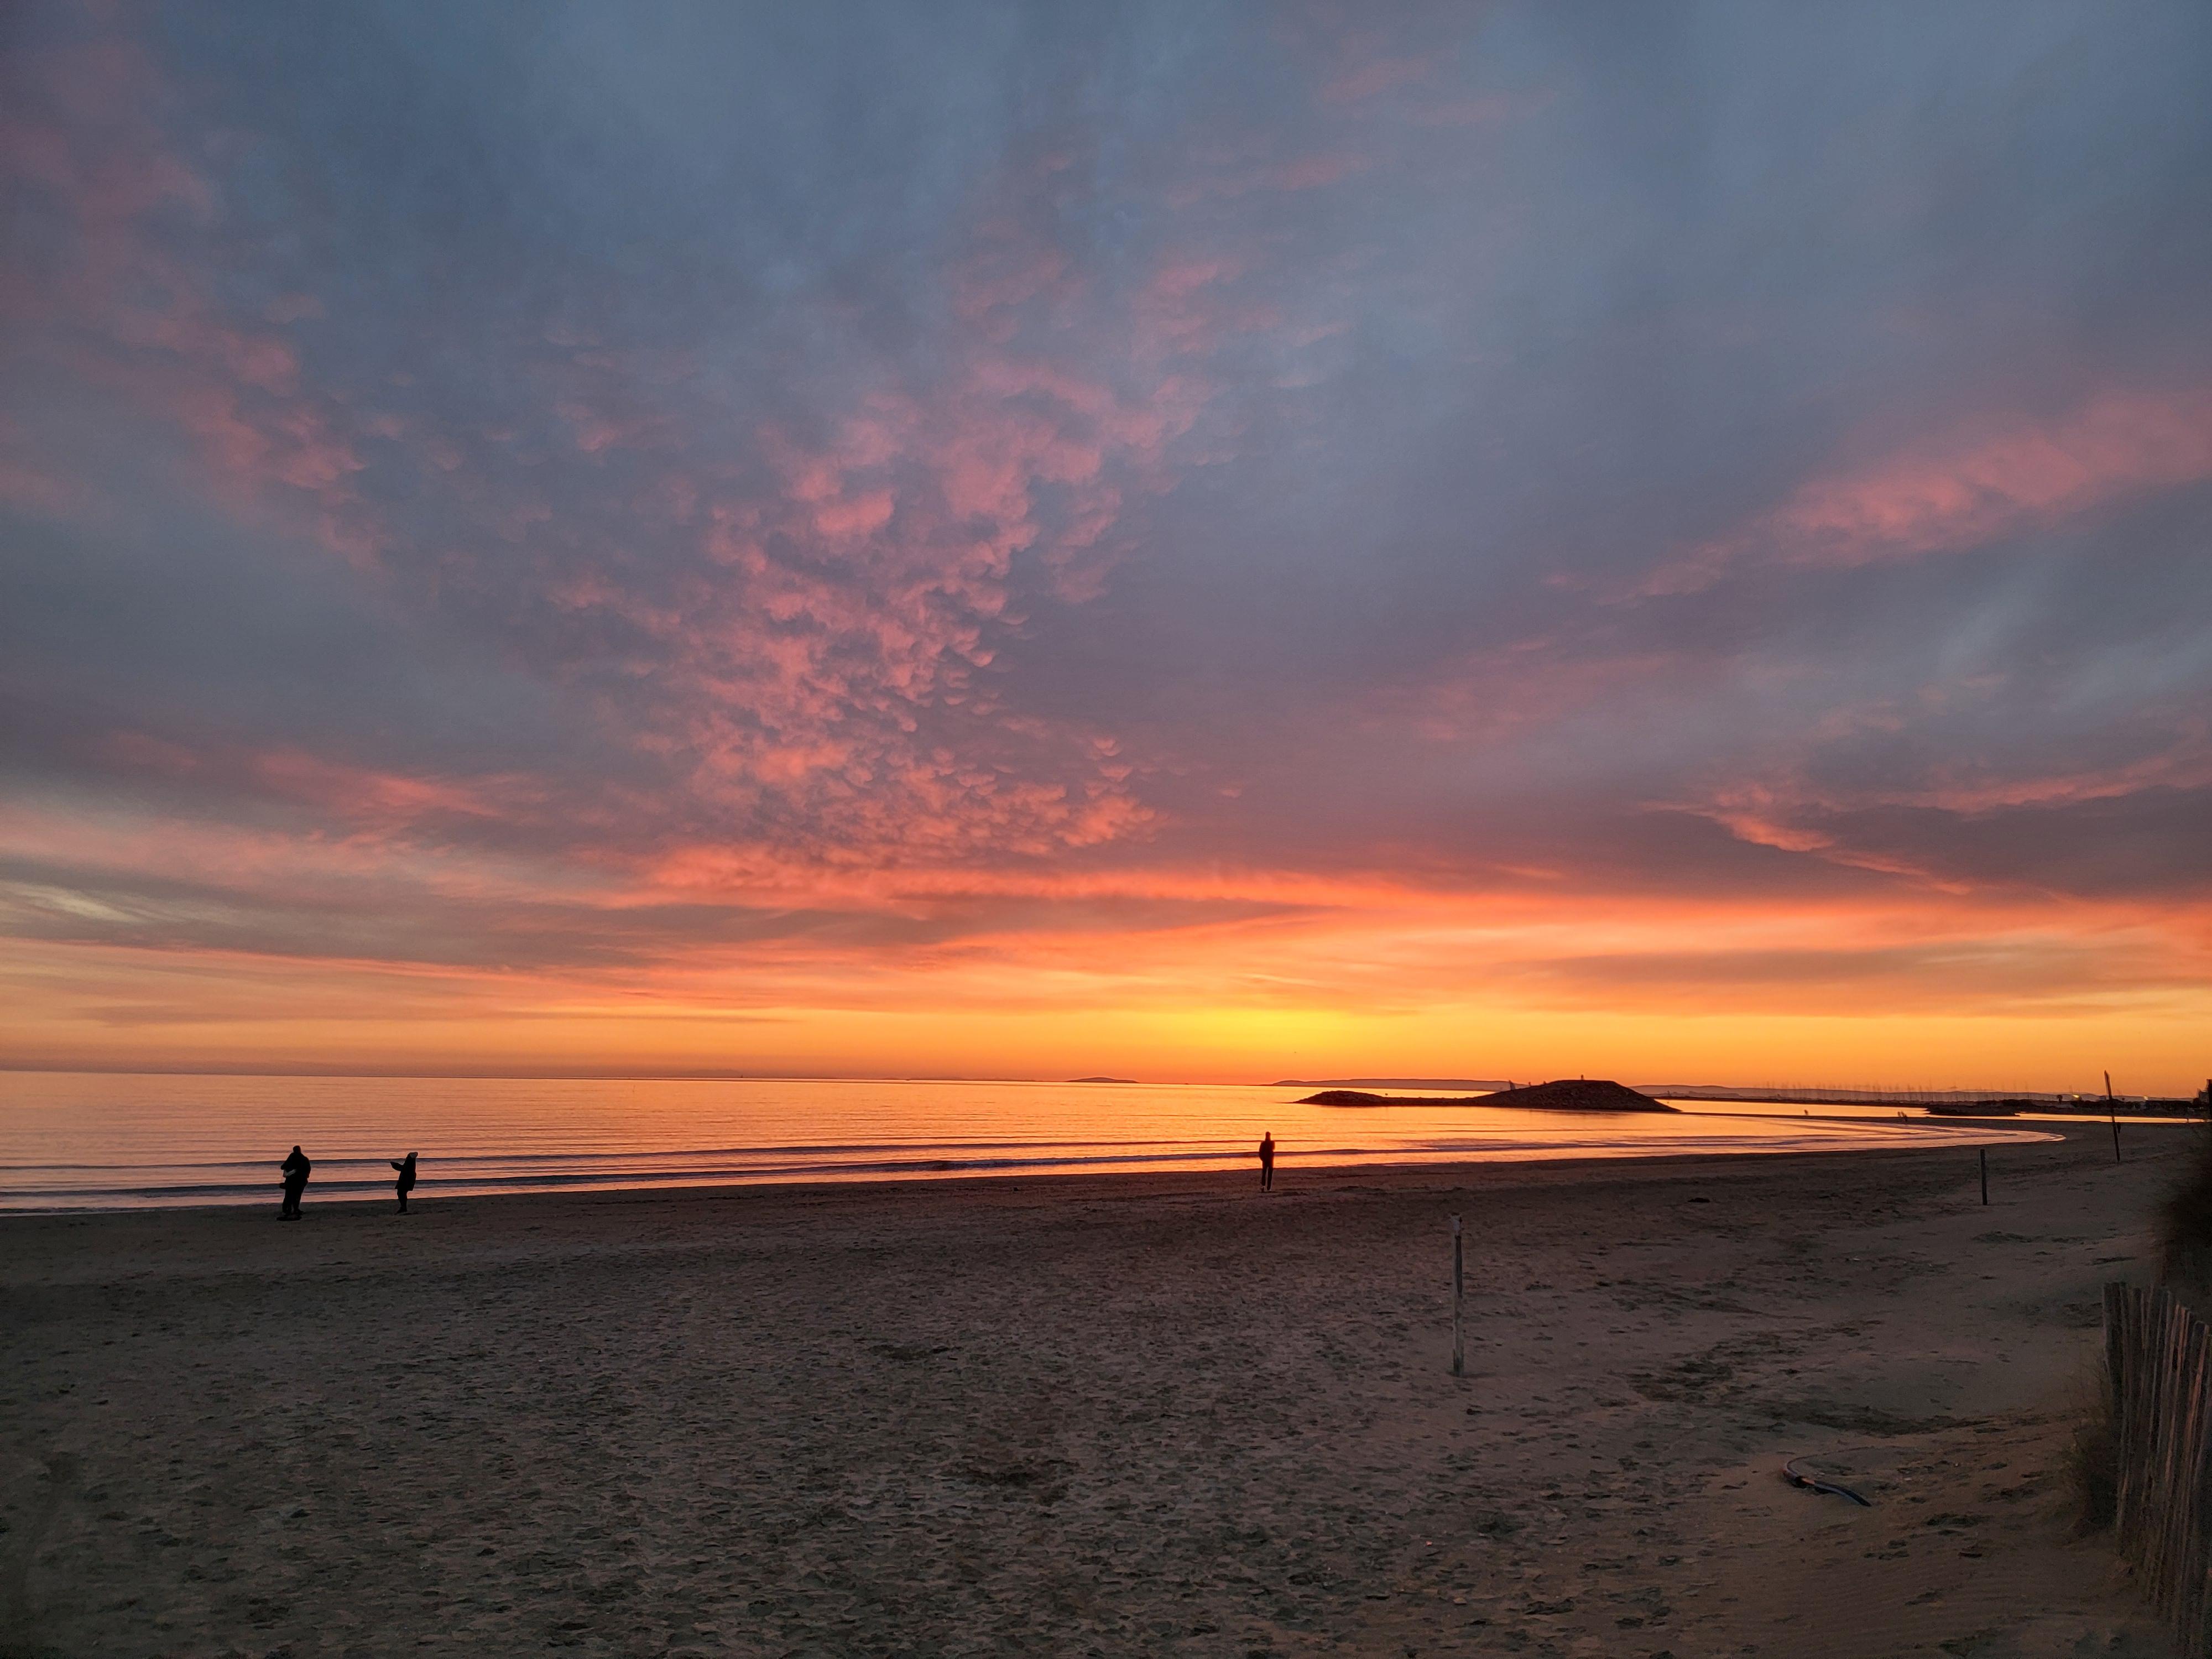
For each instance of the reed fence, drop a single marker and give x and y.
(2158, 1370)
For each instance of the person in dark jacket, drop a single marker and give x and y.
(406, 1183)
(295, 1169)
(1267, 1162)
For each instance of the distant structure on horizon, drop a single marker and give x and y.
(1795, 1095)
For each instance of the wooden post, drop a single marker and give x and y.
(2113, 1110)
(1985, 1173)
(1459, 1290)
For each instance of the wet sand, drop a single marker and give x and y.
(1148, 1414)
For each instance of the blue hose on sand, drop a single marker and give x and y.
(1789, 1473)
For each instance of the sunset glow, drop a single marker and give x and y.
(1184, 544)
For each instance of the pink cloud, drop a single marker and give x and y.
(1008, 272)
(365, 792)
(863, 587)
(852, 583)
(861, 515)
(1237, 173)
(1377, 74)
(599, 429)
(1970, 488)
(1187, 308)
(342, 789)
(1314, 171)
(1487, 109)
(28, 482)
(125, 315)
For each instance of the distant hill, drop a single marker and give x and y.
(1389, 1083)
(1102, 1080)
(1572, 1094)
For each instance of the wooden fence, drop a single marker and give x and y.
(2158, 1369)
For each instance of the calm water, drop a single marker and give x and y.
(74, 1140)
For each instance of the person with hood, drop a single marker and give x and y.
(1267, 1162)
(406, 1180)
(295, 1169)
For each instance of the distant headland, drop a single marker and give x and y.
(1102, 1080)
(1482, 1083)
(1940, 1103)
(1566, 1095)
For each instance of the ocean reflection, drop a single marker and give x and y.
(74, 1140)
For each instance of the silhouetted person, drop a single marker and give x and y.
(296, 1169)
(1267, 1162)
(406, 1183)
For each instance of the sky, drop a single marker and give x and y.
(1182, 541)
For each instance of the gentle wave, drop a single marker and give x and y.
(639, 1154)
(538, 1180)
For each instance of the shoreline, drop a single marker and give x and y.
(2000, 1131)
(928, 1169)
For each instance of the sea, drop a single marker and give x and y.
(106, 1140)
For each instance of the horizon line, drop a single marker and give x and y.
(1744, 1089)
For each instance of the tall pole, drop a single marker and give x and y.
(2113, 1108)
(1459, 1291)
(1985, 1174)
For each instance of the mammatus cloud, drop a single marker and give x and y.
(926, 544)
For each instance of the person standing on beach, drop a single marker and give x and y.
(295, 1169)
(406, 1183)
(1267, 1162)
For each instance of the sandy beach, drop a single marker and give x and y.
(1114, 1416)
